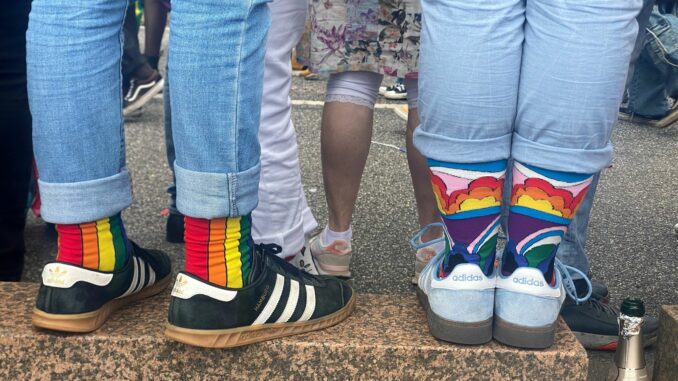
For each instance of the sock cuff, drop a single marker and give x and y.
(328, 235)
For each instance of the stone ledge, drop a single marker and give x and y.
(386, 338)
(666, 357)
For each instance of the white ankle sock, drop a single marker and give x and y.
(328, 236)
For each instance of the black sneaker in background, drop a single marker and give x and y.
(141, 92)
(75, 299)
(174, 230)
(398, 92)
(595, 324)
(384, 89)
(599, 290)
(280, 301)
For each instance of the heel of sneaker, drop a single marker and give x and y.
(461, 316)
(333, 264)
(525, 321)
(524, 337)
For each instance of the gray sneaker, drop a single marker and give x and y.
(332, 259)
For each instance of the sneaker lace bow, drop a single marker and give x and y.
(566, 272)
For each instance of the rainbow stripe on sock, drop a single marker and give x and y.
(220, 250)
(100, 245)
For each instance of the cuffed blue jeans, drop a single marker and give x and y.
(539, 81)
(74, 49)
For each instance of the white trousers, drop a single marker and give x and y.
(282, 216)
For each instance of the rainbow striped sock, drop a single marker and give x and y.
(543, 203)
(101, 245)
(220, 250)
(469, 201)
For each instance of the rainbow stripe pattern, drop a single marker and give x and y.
(220, 250)
(101, 245)
(469, 200)
(543, 203)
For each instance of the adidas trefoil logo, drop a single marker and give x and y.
(56, 276)
(179, 285)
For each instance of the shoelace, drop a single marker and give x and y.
(566, 272)
(272, 250)
(416, 241)
(269, 248)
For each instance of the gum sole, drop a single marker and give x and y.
(91, 321)
(455, 332)
(524, 337)
(235, 337)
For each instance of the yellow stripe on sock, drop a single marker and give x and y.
(106, 248)
(232, 252)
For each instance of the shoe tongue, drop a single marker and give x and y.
(257, 262)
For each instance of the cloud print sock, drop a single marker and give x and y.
(543, 203)
(469, 201)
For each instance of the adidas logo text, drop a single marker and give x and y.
(467, 278)
(529, 282)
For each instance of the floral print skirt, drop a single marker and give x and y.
(380, 36)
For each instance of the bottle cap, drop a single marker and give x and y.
(633, 307)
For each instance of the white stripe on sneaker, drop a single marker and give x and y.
(135, 277)
(291, 305)
(272, 301)
(142, 275)
(151, 275)
(310, 304)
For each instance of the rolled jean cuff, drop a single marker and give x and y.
(85, 201)
(216, 195)
(584, 160)
(451, 150)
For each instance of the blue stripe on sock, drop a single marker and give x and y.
(567, 177)
(474, 213)
(490, 166)
(538, 214)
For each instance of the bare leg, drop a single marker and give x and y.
(426, 205)
(345, 138)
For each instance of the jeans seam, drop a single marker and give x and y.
(121, 36)
(236, 116)
(232, 189)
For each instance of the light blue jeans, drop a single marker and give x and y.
(539, 81)
(74, 49)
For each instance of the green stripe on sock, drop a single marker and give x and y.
(245, 248)
(118, 241)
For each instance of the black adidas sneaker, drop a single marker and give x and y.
(280, 301)
(75, 299)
